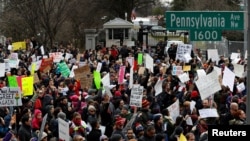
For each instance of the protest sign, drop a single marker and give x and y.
(121, 74)
(64, 69)
(208, 85)
(12, 81)
(136, 95)
(46, 64)
(10, 97)
(97, 79)
(149, 63)
(140, 58)
(174, 110)
(42, 127)
(182, 49)
(57, 56)
(177, 70)
(85, 76)
(63, 127)
(18, 46)
(27, 85)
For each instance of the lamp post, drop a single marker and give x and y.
(141, 33)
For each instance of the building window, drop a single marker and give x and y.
(118, 33)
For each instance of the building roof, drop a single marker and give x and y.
(118, 23)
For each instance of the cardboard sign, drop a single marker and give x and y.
(46, 64)
(85, 76)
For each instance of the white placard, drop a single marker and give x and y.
(213, 55)
(149, 64)
(10, 97)
(42, 50)
(106, 80)
(57, 56)
(42, 127)
(174, 110)
(158, 87)
(218, 70)
(63, 128)
(2, 70)
(210, 112)
(184, 77)
(228, 78)
(130, 60)
(187, 57)
(234, 55)
(131, 77)
(182, 49)
(192, 105)
(241, 87)
(99, 67)
(72, 73)
(201, 73)
(189, 121)
(136, 95)
(208, 85)
(238, 70)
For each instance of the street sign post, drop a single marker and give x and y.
(205, 25)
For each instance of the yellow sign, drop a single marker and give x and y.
(18, 46)
(187, 68)
(33, 67)
(27, 85)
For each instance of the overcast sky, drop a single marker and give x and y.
(164, 1)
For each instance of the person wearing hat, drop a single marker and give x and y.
(104, 138)
(119, 124)
(116, 137)
(43, 136)
(144, 115)
(125, 112)
(158, 123)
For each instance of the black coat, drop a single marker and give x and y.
(24, 133)
(94, 135)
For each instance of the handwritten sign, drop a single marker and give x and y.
(18, 45)
(63, 127)
(174, 110)
(64, 69)
(136, 96)
(46, 64)
(85, 76)
(10, 97)
(57, 56)
(182, 49)
(177, 70)
(27, 85)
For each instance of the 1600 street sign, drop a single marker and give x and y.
(205, 35)
(204, 25)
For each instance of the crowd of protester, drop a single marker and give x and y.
(87, 109)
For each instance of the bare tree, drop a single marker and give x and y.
(40, 16)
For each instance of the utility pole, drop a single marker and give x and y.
(248, 63)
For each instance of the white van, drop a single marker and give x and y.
(169, 44)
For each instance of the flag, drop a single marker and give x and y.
(133, 14)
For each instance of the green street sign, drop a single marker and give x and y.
(205, 35)
(215, 20)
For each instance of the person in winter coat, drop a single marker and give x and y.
(95, 133)
(37, 120)
(24, 132)
(77, 125)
